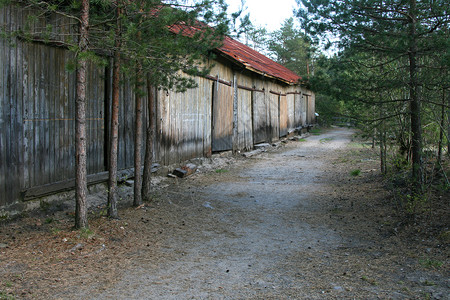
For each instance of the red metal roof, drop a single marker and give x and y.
(246, 56)
(256, 62)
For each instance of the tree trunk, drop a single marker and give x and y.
(146, 185)
(114, 136)
(138, 140)
(415, 109)
(81, 220)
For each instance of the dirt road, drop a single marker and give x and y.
(290, 223)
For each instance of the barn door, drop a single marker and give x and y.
(222, 117)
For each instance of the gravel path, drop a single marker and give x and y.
(251, 233)
(289, 223)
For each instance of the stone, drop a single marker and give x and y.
(251, 153)
(179, 172)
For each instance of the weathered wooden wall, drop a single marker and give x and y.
(185, 121)
(37, 112)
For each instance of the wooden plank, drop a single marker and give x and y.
(72, 87)
(222, 117)
(283, 115)
(304, 109)
(3, 105)
(307, 115)
(297, 110)
(26, 115)
(274, 127)
(59, 114)
(259, 117)
(207, 118)
(67, 185)
(19, 119)
(52, 123)
(45, 111)
(10, 109)
(245, 132)
(290, 112)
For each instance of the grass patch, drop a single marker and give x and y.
(5, 296)
(221, 171)
(371, 281)
(302, 140)
(55, 230)
(431, 263)
(358, 145)
(325, 140)
(428, 283)
(316, 131)
(355, 172)
(86, 233)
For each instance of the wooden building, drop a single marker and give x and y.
(247, 99)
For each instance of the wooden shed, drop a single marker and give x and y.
(247, 99)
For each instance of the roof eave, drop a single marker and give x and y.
(247, 67)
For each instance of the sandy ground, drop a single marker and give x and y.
(289, 223)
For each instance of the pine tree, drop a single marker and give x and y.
(405, 32)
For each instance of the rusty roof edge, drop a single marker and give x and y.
(248, 67)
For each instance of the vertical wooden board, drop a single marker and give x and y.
(51, 113)
(307, 115)
(69, 119)
(297, 111)
(207, 117)
(31, 114)
(101, 122)
(3, 66)
(71, 114)
(222, 117)
(291, 112)
(313, 108)
(9, 112)
(245, 132)
(274, 117)
(164, 131)
(259, 117)
(45, 113)
(283, 116)
(36, 117)
(171, 123)
(26, 116)
(304, 109)
(20, 118)
(56, 115)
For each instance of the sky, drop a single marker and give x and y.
(266, 13)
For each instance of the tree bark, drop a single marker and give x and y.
(415, 107)
(138, 141)
(81, 220)
(114, 136)
(146, 185)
